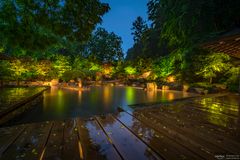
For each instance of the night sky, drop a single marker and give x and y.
(121, 16)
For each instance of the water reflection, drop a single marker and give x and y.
(79, 96)
(170, 96)
(218, 113)
(107, 96)
(130, 95)
(60, 104)
(151, 95)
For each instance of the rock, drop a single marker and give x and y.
(164, 87)
(71, 81)
(205, 91)
(54, 82)
(185, 87)
(199, 90)
(151, 86)
(221, 86)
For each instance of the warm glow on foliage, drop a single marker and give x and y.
(18, 68)
(171, 79)
(130, 70)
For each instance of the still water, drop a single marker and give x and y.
(60, 104)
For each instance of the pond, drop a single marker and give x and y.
(59, 104)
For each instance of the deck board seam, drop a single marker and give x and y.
(108, 138)
(9, 144)
(45, 144)
(196, 136)
(155, 152)
(199, 155)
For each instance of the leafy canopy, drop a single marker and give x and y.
(105, 46)
(213, 64)
(37, 24)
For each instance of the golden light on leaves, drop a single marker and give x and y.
(171, 79)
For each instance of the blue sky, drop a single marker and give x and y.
(121, 16)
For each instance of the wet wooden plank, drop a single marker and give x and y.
(128, 145)
(30, 143)
(215, 108)
(196, 123)
(218, 123)
(70, 143)
(162, 144)
(203, 135)
(93, 141)
(204, 142)
(175, 135)
(8, 135)
(54, 146)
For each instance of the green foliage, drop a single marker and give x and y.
(233, 81)
(139, 27)
(178, 28)
(105, 46)
(60, 66)
(71, 75)
(18, 70)
(184, 23)
(42, 69)
(84, 67)
(5, 70)
(36, 25)
(212, 64)
(129, 70)
(163, 67)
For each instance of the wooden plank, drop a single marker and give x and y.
(202, 133)
(29, 144)
(214, 122)
(8, 135)
(204, 142)
(94, 143)
(175, 135)
(70, 144)
(223, 111)
(54, 146)
(218, 122)
(128, 145)
(198, 121)
(162, 144)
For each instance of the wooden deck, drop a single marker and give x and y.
(185, 130)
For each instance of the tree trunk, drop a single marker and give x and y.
(18, 82)
(211, 80)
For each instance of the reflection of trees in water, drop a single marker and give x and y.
(90, 136)
(145, 133)
(216, 112)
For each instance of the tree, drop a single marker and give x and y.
(129, 70)
(18, 70)
(164, 67)
(139, 27)
(138, 30)
(4, 70)
(61, 64)
(42, 69)
(105, 46)
(135, 52)
(213, 64)
(36, 25)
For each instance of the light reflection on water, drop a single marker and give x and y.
(219, 113)
(62, 104)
